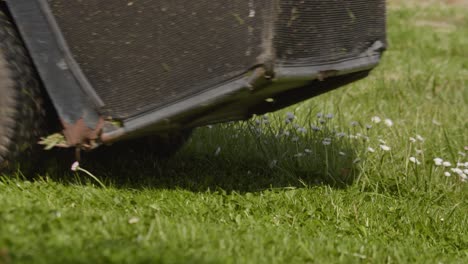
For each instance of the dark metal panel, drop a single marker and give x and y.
(311, 89)
(162, 65)
(315, 32)
(238, 100)
(178, 114)
(52, 62)
(144, 55)
(369, 58)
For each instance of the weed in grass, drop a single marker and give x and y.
(76, 167)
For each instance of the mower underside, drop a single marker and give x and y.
(117, 69)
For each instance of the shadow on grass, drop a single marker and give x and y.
(232, 159)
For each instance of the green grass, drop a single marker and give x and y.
(250, 193)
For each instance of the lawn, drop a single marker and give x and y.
(346, 177)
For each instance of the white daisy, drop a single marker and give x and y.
(388, 122)
(438, 161)
(414, 160)
(376, 119)
(385, 147)
(446, 164)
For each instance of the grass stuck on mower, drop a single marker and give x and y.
(151, 71)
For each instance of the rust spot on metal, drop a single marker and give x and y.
(111, 136)
(257, 74)
(325, 74)
(79, 134)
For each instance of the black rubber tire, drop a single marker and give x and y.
(22, 113)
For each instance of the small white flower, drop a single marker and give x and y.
(286, 133)
(218, 150)
(382, 141)
(385, 147)
(75, 166)
(464, 177)
(298, 155)
(447, 164)
(368, 126)
(273, 164)
(295, 139)
(418, 137)
(412, 139)
(447, 174)
(290, 116)
(329, 116)
(376, 119)
(340, 134)
(315, 128)
(133, 220)
(307, 150)
(356, 160)
(354, 123)
(388, 122)
(460, 164)
(414, 160)
(419, 151)
(461, 153)
(209, 126)
(302, 130)
(326, 141)
(438, 161)
(435, 122)
(457, 171)
(342, 153)
(465, 171)
(319, 115)
(370, 149)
